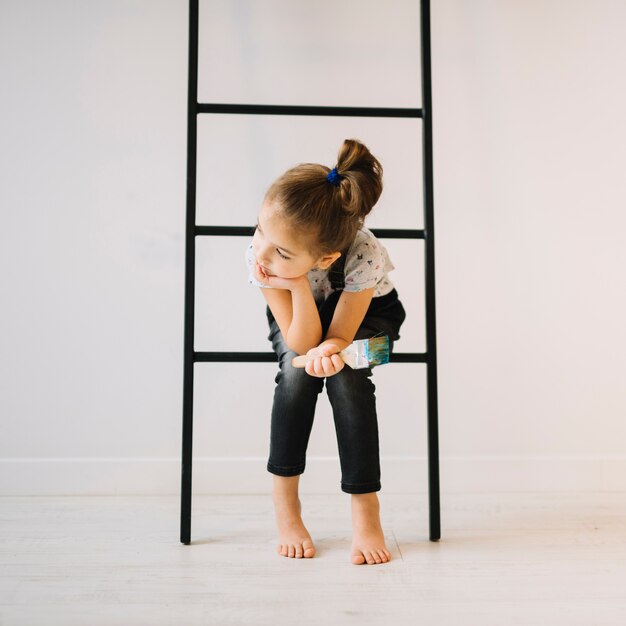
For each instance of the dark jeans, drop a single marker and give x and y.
(351, 394)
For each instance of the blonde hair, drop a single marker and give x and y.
(329, 215)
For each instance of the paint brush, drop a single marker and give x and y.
(358, 355)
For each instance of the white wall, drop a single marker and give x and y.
(530, 202)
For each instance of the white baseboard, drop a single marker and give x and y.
(248, 475)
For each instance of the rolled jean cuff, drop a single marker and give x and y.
(363, 488)
(285, 471)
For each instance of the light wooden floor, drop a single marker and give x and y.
(505, 559)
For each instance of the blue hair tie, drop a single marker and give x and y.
(334, 177)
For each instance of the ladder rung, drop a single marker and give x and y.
(288, 109)
(239, 231)
(257, 357)
(240, 357)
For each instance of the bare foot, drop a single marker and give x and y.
(293, 538)
(368, 541)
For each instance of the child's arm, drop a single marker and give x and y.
(349, 313)
(293, 307)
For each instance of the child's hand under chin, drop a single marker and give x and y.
(276, 282)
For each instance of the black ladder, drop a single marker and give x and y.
(193, 230)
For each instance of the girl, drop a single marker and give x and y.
(324, 276)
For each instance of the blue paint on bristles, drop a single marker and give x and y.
(367, 352)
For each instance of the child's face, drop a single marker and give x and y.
(279, 250)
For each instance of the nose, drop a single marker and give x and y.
(261, 254)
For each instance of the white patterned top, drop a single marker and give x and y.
(367, 265)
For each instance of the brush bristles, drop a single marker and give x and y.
(366, 352)
(378, 350)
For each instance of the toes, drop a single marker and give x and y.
(383, 555)
(372, 556)
(309, 549)
(378, 555)
(358, 559)
(298, 550)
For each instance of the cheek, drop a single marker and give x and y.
(296, 269)
(255, 245)
(260, 250)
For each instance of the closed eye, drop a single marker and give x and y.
(287, 258)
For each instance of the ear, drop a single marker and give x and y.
(327, 260)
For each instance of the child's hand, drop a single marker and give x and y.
(276, 282)
(328, 362)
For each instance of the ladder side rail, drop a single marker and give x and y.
(190, 277)
(429, 269)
